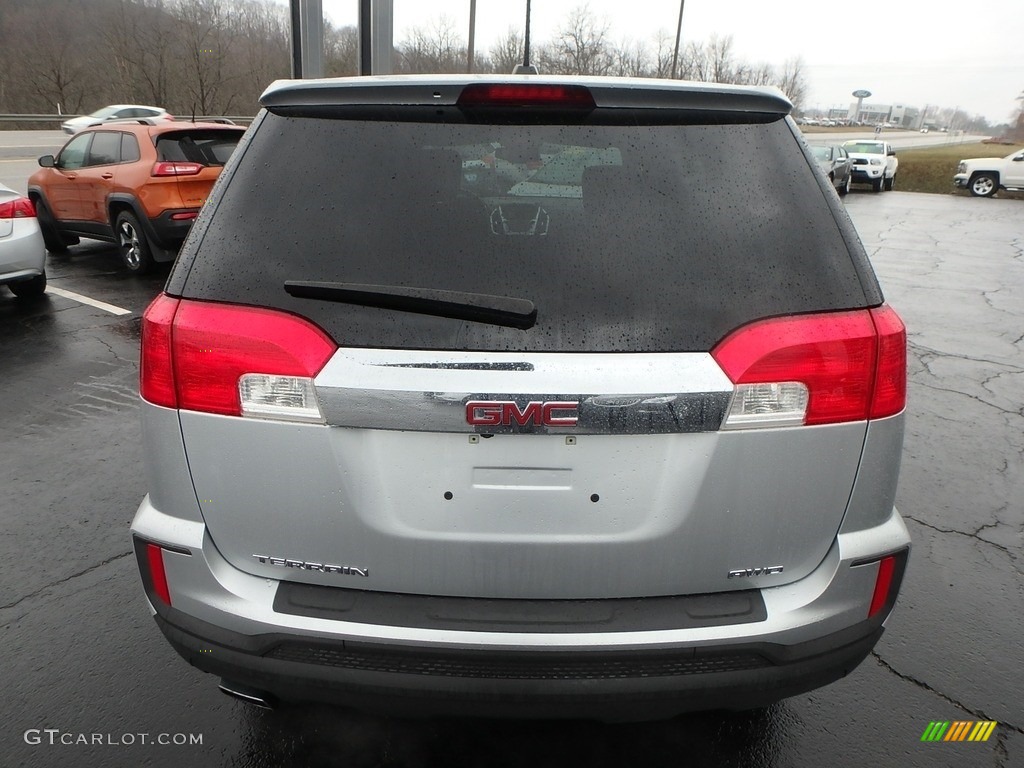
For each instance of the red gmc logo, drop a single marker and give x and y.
(504, 413)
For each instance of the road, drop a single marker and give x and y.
(83, 658)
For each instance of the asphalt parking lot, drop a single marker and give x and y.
(82, 657)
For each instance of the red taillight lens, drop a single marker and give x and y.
(155, 559)
(184, 215)
(890, 393)
(883, 584)
(18, 208)
(850, 362)
(156, 366)
(176, 169)
(526, 95)
(214, 345)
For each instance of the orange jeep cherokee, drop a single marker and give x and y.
(137, 184)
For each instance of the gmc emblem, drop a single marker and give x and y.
(505, 413)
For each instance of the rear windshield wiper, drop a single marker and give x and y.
(459, 305)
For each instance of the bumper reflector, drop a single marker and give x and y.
(155, 557)
(883, 583)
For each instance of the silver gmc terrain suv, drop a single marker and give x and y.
(522, 396)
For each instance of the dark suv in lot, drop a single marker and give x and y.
(524, 396)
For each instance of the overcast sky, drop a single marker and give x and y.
(908, 52)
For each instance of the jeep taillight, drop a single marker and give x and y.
(815, 369)
(176, 169)
(231, 360)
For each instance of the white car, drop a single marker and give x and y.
(22, 255)
(113, 113)
(984, 176)
(874, 163)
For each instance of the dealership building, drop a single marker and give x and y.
(899, 115)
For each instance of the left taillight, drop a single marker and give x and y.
(18, 208)
(231, 360)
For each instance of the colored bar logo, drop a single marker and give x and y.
(959, 730)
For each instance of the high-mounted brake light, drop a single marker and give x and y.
(18, 208)
(526, 95)
(815, 369)
(176, 169)
(232, 360)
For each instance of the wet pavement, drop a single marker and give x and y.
(83, 659)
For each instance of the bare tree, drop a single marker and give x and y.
(206, 49)
(661, 64)
(631, 59)
(508, 51)
(341, 50)
(437, 48)
(793, 82)
(581, 46)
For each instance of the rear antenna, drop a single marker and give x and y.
(526, 68)
(193, 111)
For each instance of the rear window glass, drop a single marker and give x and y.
(625, 237)
(211, 147)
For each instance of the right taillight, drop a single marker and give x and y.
(231, 360)
(815, 369)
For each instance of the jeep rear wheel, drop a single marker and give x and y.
(131, 239)
(983, 185)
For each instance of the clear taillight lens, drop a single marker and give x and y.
(767, 405)
(279, 397)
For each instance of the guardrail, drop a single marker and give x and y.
(61, 118)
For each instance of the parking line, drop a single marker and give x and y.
(86, 300)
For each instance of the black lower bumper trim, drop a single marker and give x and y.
(635, 685)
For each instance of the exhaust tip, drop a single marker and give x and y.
(252, 696)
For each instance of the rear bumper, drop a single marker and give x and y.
(170, 233)
(232, 624)
(634, 685)
(22, 253)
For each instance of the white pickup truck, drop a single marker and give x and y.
(984, 176)
(874, 163)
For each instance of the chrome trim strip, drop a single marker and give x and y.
(586, 394)
(603, 414)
